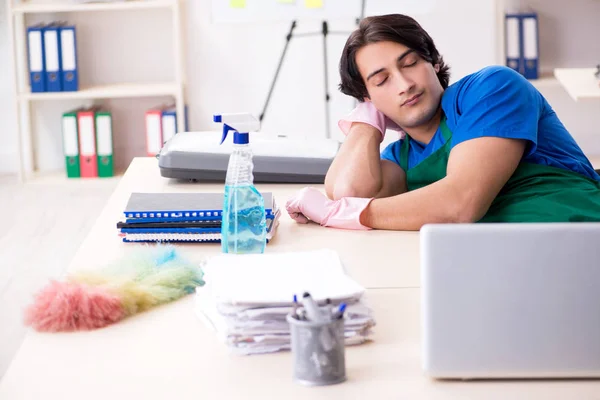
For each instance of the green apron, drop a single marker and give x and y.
(534, 193)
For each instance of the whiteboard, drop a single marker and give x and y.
(349, 10)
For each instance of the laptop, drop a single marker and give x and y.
(510, 300)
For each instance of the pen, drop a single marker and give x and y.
(295, 305)
(312, 309)
(340, 312)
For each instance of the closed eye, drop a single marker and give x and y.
(382, 82)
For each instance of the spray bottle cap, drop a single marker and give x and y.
(241, 124)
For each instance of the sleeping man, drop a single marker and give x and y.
(487, 148)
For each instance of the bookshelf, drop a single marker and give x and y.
(18, 10)
(565, 30)
(64, 6)
(568, 54)
(112, 91)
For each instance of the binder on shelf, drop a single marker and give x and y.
(154, 135)
(52, 56)
(88, 160)
(37, 68)
(513, 42)
(71, 144)
(169, 122)
(68, 46)
(104, 143)
(530, 33)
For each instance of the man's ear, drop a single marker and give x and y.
(436, 67)
(366, 99)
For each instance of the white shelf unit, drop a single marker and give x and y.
(580, 83)
(564, 63)
(66, 6)
(112, 91)
(546, 78)
(17, 11)
(574, 80)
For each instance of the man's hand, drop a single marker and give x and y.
(309, 204)
(357, 170)
(366, 113)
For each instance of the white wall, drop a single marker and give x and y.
(8, 127)
(230, 66)
(229, 69)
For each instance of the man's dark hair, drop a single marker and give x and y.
(386, 28)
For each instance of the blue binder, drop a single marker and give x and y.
(68, 45)
(169, 122)
(530, 37)
(35, 49)
(52, 57)
(513, 42)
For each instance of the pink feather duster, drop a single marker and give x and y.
(70, 306)
(96, 298)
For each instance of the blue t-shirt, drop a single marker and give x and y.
(500, 102)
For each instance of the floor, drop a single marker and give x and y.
(44, 221)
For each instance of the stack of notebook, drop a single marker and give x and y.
(182, 217)
(246, 297)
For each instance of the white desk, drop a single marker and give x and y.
(377, 259)
(168, 353)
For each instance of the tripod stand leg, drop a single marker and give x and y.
(326, 80)
(362, 9)
(287, 43)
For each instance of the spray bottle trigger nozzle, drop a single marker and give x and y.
(226, 129)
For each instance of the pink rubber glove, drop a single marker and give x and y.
(310, 204)
(367, 113)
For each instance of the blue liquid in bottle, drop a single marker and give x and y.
(243, 229)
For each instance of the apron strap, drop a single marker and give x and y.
(446, 134)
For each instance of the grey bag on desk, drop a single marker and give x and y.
(198, 156)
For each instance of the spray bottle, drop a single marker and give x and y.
(243, 228)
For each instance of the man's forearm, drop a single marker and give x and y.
(439, 202)
(356, 170)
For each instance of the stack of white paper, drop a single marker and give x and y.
(247, 297)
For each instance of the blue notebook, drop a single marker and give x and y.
(171, 207)
(182, 217)
(182, 233)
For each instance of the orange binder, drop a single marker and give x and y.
(88, 160)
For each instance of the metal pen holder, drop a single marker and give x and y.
(318, 351)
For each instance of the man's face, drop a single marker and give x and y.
(400, 83)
